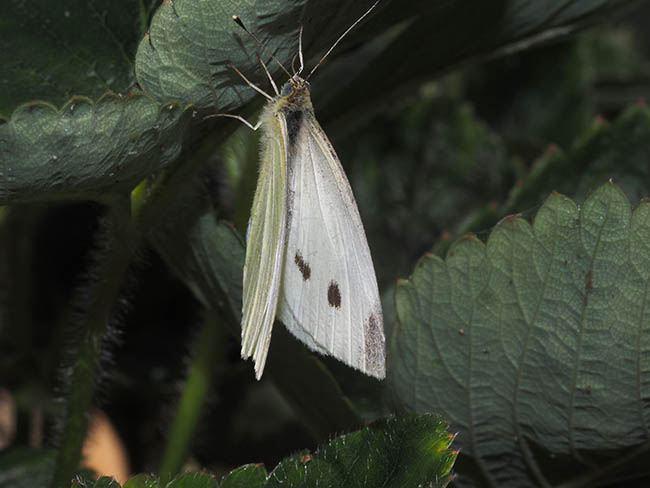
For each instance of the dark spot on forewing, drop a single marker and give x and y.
(303, 266)
(334, 295)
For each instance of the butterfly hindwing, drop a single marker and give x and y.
(265, 244)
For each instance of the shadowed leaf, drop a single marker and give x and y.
(535, 345)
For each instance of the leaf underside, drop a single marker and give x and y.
(536, 344)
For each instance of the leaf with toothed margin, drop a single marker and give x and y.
(193, 480)
(143, 481)
(393, 453)
(407, 451)
(536, 345)
(190, 45)
(53, 50)
(48, 154)
(87, 149)
(248, 476)
(188, 60)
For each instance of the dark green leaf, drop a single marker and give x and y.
(142, 481)
(26, 468)
(104, 482)
(399, 452)
(392, 453)
(193, 480)
(51, 51)
(249, 476)
(534, 345)
(87, 148)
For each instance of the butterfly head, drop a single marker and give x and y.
(296, 90)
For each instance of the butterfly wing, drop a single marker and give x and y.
(265, 244)
(329, 297)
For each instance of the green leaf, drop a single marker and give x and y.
(442, 170)
(193, 480)
(398, 452)
(87, 149)
(53, 51)
(535, 345)
(411, 450)
(249, 476)
(185, 55)
(142, 481)
(406, 451)
(138, 481)
(26, 468)
(104, 482)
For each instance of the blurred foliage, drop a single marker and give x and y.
(440, 137)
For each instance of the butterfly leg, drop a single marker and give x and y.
(238, 117)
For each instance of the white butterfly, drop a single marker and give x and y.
(307, 258)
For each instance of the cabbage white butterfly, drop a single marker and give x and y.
(307, 258)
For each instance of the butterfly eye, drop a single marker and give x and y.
(287, 89)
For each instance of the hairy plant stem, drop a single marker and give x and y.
(125, 234)
(94, 328)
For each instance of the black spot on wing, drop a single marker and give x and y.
(303, 266)
(294, 121)
(334, 295)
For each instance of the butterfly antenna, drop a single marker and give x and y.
(250, 83)
(341, 37)
(268, 75)
(239, 22)
(293, 62)
(302, 62)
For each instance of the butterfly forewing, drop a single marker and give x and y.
(329, 296)
(265, 243)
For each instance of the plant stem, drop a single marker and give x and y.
(125, 234)
(93, 329)
(197, 386)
